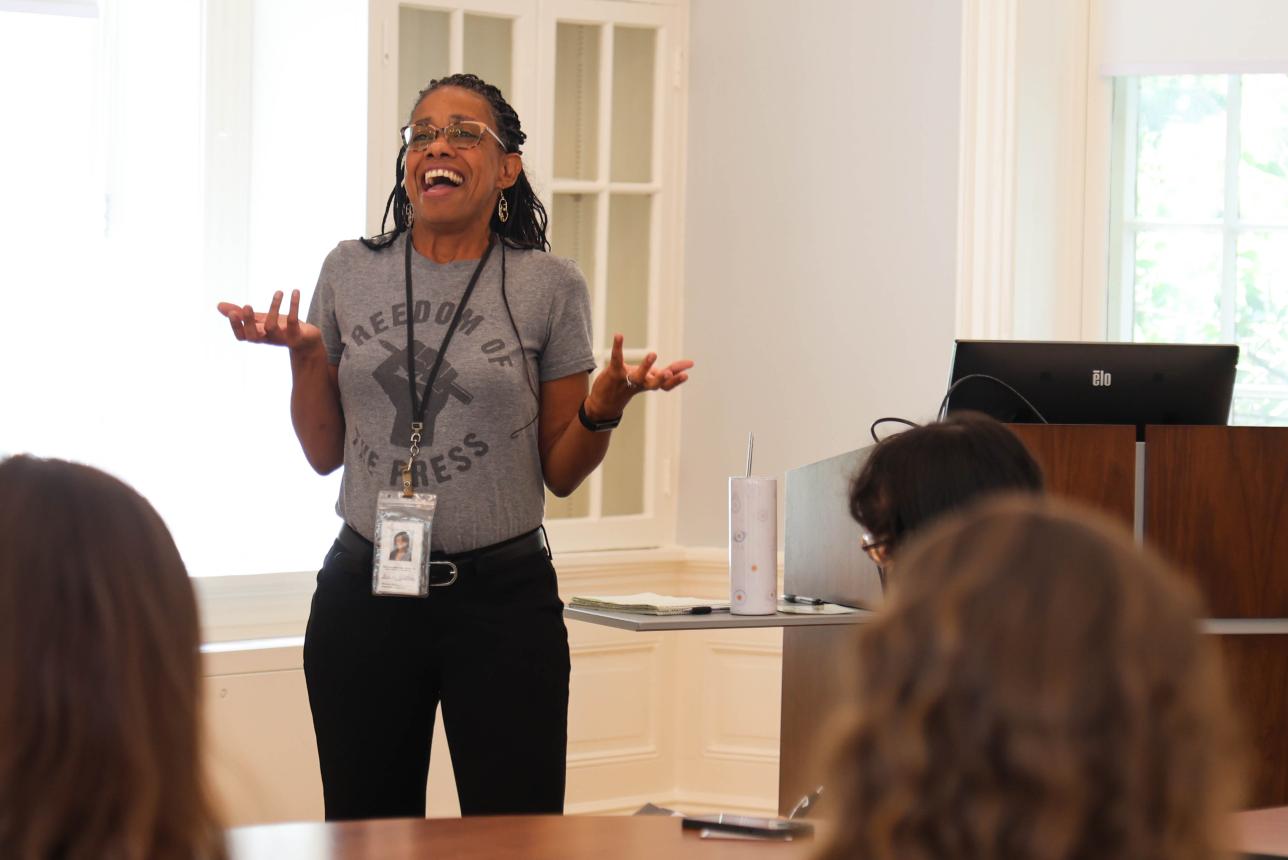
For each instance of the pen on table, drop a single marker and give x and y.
(809, 601)
(805, 803)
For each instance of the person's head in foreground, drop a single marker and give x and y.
(100, 752)
(911, 477)
(1036, 689)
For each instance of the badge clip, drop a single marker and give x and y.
(416, 428)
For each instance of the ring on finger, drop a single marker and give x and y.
(631, 384)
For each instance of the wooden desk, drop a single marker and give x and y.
(646, 837)
(1262, 831)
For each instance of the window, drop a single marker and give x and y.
(593, 84)
(152, 166)
(160, 158)
(1199, 226)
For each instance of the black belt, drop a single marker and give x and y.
(526, 544)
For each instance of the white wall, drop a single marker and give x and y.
(821, 230)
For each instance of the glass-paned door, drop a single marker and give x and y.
(595, 84)
(610, 187)
(437, 41)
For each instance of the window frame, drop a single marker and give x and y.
(1124, 225)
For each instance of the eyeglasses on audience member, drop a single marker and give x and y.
(877, 550)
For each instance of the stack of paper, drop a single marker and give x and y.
(816, 608)
(649, 603)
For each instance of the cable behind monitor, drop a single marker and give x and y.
(889, 420)
(943, 404)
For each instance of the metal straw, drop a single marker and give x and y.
(751, 443)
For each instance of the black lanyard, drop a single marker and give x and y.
(418, 407)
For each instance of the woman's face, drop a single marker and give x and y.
(400, 542)
(456, 189)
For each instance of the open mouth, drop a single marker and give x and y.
(439, 181)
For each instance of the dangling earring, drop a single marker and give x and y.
(502, 209)
(409, 214)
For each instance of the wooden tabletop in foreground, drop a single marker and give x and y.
(576, 837)
(552, 837)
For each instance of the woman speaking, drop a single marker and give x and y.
(445, 366)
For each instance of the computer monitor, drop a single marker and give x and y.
(822, 556)
(1096, 383)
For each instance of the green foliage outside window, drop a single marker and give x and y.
(1207, 224)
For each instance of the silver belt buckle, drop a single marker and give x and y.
(455, 574)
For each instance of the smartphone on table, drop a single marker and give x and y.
(749, 825)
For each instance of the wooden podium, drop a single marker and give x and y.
(1216, 505)
(1212, 500)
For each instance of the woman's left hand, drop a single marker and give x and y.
(619, 381)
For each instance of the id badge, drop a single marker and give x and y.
(400, 557)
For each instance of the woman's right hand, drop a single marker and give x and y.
(270, 327)
(315, 387)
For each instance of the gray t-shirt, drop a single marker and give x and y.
(479, 447)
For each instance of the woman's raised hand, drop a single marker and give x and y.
(619, 381)
(271, 327)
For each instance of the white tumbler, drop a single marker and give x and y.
(753, 546)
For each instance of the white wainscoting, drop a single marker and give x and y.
(688, 720)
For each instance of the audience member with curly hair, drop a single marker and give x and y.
(1037, 689)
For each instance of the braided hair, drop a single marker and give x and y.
(526, 226)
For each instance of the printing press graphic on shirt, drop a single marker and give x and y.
(392, 376)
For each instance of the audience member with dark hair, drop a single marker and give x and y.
(1037, 689)
(912, 477)
(100, 675)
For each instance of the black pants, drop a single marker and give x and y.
(492, 648)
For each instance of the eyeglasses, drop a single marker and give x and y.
(463, 134)
(874, 548)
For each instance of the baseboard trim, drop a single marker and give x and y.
(686, 802)
(624, 805)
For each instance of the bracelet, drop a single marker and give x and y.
(596, 426)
